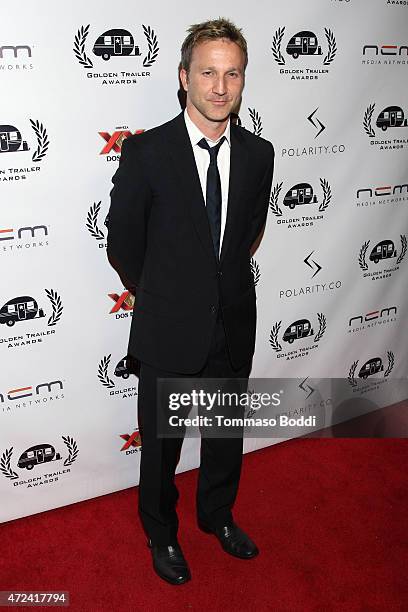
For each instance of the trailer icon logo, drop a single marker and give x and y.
(369, 368)
(11, 140)
(389, 117)
(121, 370)
(303, 43)
(115, 43)
(24, 308)
(37, 455)
(296, 331)
(383, 250)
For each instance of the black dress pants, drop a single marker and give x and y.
(220, 458)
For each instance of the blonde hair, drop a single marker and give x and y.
(211, 30)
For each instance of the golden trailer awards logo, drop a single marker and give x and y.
(122, 370)
(384, 251)
(118, 46)
(36, 458)
(295, 333)
(371, 368)
(391, 119)
(303, 197)
(23, 309)
(12, 142)
(301, 48)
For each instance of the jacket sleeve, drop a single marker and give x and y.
(128, 216)
(262, 199)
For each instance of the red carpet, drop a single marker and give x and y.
(330, 518)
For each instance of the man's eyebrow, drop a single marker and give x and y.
(231, 69)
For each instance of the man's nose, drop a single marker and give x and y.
(219, 86)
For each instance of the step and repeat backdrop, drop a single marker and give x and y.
(326, 84)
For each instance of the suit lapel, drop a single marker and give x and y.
(238, 168)
(183, 159)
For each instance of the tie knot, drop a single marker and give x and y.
(213, 151)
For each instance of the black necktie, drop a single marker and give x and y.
(213, 193)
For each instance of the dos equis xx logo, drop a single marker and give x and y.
(132, 53)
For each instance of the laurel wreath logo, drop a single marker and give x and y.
(72, 450)
(351, 379)
(273, 337)
(57, 307)
(367, 120)
(79, 47)
(331, 53)
(277, 42)
(322, 326)
(276, 45)
(256, 121)
(273, 200)
(326, 195)
(92, 221)
(153, 46)
(391, 361)
(103, 372)
(403, 248)
(361, 258)
(255, 271)
(5, 467)
(42, 141)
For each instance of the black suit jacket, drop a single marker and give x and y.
(160, 243)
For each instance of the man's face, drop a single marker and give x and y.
(215, 80)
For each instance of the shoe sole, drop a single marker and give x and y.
(169, 580)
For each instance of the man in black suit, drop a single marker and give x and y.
(190, 198)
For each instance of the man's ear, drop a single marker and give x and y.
(184, 78)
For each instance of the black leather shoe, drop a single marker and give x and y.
(233, 540)
(169, 563)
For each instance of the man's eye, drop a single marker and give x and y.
(207, 72)
(233, 74)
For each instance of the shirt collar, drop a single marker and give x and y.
(196, 135)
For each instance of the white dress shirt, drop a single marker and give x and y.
(202, 159)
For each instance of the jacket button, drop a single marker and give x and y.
(213, 309)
